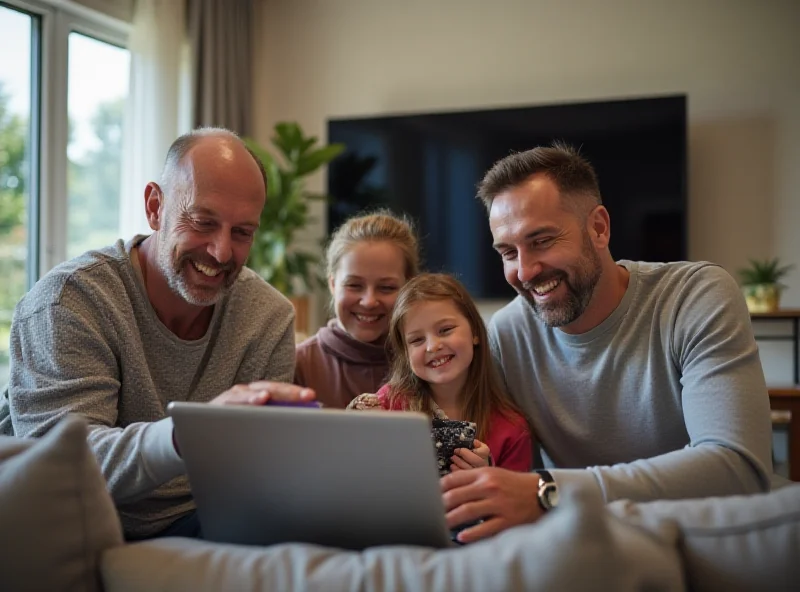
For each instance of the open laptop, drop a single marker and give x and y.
(265, 475)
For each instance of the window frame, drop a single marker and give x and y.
(47, 203)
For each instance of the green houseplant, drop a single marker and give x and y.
(287, 209)
(761, 283)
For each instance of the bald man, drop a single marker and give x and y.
(116, 334)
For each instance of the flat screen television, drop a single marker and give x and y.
(427, 165)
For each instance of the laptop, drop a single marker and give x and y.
(267, 475)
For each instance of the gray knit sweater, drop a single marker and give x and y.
(86, 340)
(664, 399)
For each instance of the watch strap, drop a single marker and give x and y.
(545, 475)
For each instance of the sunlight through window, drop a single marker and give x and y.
(97, 93)
(16, 109)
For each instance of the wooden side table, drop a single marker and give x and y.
(788, 399)
(789, 314)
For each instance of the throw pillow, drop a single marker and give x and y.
(56, 514)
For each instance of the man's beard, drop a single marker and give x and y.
(172, 267)
(580, 281)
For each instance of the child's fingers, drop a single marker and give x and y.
(460, 462)
(468, 455)
(481, 449)
(468, 458)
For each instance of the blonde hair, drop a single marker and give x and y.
(483, 392)
(380, 226)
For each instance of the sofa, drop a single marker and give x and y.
(59, 531)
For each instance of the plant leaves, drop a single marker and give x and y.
(313, 160)
(287, 211)
(767, 271)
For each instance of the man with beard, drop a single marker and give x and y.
(116, 334)
(641, 380)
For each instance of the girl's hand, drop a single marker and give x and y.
(464, 458)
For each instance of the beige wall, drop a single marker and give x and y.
(738, 61)
(119, 9)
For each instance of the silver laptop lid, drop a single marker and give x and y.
(265, 475)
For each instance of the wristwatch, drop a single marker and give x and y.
(547, 492)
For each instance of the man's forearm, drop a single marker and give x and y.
(700, 471)
(137, 459)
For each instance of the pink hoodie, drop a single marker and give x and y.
(339, 367)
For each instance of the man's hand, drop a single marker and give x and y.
(258, 393)
(500, 497)
(464, 458)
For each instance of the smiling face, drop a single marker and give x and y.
(439, 342)
(365, 287)
(206, 224)
(550, 253)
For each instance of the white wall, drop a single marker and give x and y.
(738, 61)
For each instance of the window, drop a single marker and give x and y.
(97, 90)
(18, 36)
(63, 90)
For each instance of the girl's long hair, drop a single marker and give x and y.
(483, 391)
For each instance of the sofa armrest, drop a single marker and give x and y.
(731, 543)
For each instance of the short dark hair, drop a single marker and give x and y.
(572, 173)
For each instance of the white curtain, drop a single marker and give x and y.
(158, 104)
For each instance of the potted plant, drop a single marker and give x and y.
(293, 272)
(761, 284)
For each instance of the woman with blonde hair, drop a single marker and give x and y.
(369, 258)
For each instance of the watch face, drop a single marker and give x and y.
(549, 495)
(552, 496)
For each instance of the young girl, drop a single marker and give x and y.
(369, 258)
(443, 367)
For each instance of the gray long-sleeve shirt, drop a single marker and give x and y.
(666, 398)
(86, 340)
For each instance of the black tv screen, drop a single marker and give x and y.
(428, 166)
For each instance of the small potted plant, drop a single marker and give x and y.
(761, 283)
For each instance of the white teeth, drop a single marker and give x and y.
(440, 361)
(543, 289)
(367, 318)
(205, 269)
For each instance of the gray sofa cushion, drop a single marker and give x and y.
(579, 547)
(732, 543)
(55, 512)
